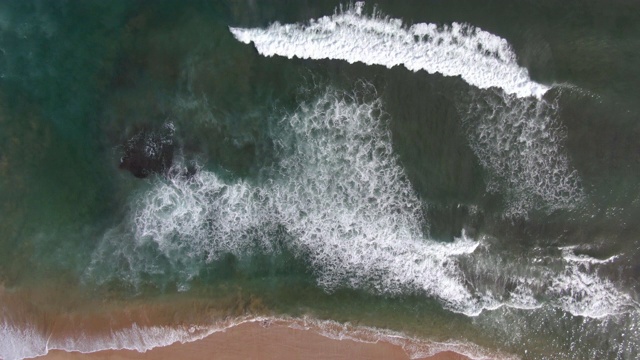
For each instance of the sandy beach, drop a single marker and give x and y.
(259, 340)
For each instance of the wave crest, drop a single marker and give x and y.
(480, 58)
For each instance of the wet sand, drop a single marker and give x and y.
(261, 340)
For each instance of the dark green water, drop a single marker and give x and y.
(408, 200)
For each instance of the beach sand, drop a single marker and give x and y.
(257, 340)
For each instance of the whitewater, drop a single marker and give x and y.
(341, 194)
(458, 175)
(480, 58)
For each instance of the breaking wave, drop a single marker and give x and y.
(514, 132)
(546, 278)
(344, 204)
(339, 193)
(480, 58)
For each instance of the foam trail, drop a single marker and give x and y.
(17, 343)
(180, 225)
(482, 59)
(520, 143)
(569, 254)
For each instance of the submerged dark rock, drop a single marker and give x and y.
(149, 152)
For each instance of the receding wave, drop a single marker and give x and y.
(482, 59)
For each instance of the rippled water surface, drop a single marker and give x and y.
(458, 171)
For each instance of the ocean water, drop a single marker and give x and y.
(459, 172)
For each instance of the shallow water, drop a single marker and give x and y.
(455, 171)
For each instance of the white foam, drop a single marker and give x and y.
(568, 253)
(582, 294)
(352, 210)
(482, 59)
(199, 214)
(542, 280)
(180, 224)
(520, 142)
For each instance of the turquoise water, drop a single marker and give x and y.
(384, 166)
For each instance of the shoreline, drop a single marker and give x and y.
(272, 338)
(43, 324)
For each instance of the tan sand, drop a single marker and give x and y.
(255, 340)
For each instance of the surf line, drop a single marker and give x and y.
(480, 58)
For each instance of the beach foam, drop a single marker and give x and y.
(480, 58)
(143, 339)
(19, 343)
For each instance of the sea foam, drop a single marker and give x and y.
(480, 58)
